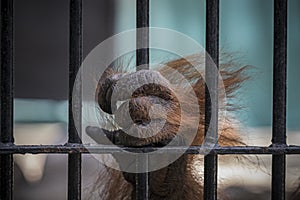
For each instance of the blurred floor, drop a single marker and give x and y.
(52, 186)
(241, 179)
(250, 178)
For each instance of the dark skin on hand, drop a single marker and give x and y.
(179, 180)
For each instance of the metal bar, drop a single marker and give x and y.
(105, 149)
(279, 74)
(142, 40)
(211, 96)
(278, 176)
(142, 62)
(74, 160)
(142, 179)
(279, 97)
(7, 96)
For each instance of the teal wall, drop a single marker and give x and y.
(246, 30)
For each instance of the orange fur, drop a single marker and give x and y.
(182, 179)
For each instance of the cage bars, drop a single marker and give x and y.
(142, 40)
(74, 148)
(7, 96)
(80, 148)
(75, 59)
(211, 95)
(142, 62)
(279, 98)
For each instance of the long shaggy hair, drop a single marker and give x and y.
(183, 179)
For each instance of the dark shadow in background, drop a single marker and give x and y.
(42, 43)
(41, 69)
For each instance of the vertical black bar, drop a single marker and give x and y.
(142, 179)
(142, 61)
(279, 97)
(74, 160)
(142, 14)
(7, 96)
(211, 97)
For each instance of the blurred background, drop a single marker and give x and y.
(41, 81)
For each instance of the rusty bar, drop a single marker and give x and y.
(75, 56)
(7, 96)
(105, 149)
(211, 96)
(279, 97)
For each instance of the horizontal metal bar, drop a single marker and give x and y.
(104, 149)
